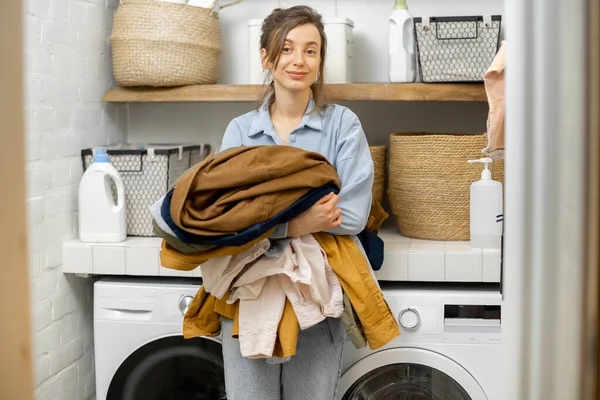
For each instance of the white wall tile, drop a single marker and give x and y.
(491, 266)
(42, 316)
(42, 369)
(142, 260)
(463, 266)
(47, 340)
(109, 260)
(64, 305)
(77, 258)
(395, 265)
(426, 266)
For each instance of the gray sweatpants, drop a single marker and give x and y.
(312, 374)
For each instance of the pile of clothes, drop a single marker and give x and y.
(222, 215)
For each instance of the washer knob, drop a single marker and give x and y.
(184, 303)
(409, 318)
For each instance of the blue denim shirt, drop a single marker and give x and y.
(334, 132)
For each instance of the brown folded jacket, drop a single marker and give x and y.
(243, 186)
(275, 165)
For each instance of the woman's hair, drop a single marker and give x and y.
(275, 29)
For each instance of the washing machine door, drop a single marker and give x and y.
(408, 373)
(171, 368)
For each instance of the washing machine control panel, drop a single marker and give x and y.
(460, 320)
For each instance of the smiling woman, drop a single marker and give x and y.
(293, 113)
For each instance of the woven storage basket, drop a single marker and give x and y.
(429, 183)
(379, 154)
(157, 43)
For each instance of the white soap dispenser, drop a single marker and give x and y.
(485, 209)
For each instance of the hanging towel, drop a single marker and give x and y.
(495, 88)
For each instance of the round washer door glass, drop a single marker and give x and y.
(408, 374)
(406, 381)
(171, 368)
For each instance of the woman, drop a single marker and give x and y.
(293, 46)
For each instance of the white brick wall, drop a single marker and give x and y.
(68, 71)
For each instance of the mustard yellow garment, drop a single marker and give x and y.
(353, 271)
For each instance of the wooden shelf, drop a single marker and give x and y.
(473, 92)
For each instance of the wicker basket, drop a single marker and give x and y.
(429, 183)
(157, 43)
(379, 154)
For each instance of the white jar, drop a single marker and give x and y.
(338, 64)
(340, 43)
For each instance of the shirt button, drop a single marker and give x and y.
(294, 139)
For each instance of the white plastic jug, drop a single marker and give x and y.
(402, 59)
(101, 220)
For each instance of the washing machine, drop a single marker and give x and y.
(139, 350)
(450, 348)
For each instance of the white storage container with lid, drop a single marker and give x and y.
(338, 64)
(340, 52)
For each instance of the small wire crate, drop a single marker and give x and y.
(456, 49)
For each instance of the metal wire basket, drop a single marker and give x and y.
(456, 49)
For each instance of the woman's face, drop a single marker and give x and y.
(298, 65)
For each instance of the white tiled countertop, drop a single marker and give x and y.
(405, 259)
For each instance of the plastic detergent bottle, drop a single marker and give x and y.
(486, 209)
(101, 219)
(402, 44)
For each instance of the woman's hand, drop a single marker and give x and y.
(323, 215)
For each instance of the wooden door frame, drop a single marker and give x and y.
(590, 377)
(16, 377)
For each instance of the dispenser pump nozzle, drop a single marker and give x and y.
(486, 161)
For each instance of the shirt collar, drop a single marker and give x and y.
(262, 121)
